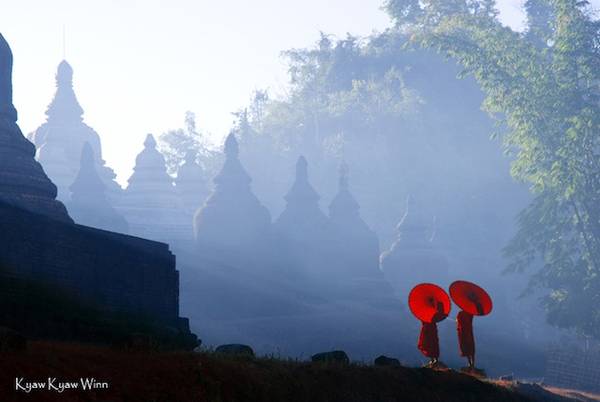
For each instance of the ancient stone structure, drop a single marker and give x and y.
(60, 139)
(39, 241)
(413, 258)
(88, 205)
(356, 244)
(233, 227)
(356, 248)
(23, 182)
(190, 184)
(303, 231)
(117, 272)
(150, 204)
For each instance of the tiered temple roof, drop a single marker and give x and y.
(60, 139)
(23, 182)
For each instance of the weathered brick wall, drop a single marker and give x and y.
(572, 367)
(118, 272)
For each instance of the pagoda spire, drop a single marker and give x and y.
(150, 169)
(64, 105)
(7, 110)
(356, 243)
(413, 248)
(88, 182)
(233, 174)
(344, 209)
(303, 230)
(302, 201)
(233, 227)
(61, 138)
(150, 203)
(88, 204)
(23, 182)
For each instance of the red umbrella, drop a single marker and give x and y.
(429, 303)
(471, 298)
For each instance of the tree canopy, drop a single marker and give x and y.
(545, 92)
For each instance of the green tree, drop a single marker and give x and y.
(547, 98)
(174, 145)
(540, 21)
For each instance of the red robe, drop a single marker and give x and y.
(429, 343)
(466, 340)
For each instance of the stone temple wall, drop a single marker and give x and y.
(114, 271)
(572, 367)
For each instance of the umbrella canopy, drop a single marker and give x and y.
(471, 298)
(429, 303)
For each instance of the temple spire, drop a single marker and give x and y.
(60, 139)
(23, 182)
(356, 243)
(344, 209)
(150, 170)
(302, 192)
(233, 227)
(7, 110)
(232, 149)
(88, 204)
(233, 173)
(151, 204)
(65, 103)
(413, 248)
(302, 229)
(87, 178)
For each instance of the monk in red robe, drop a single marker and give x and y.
(429, 343)
(466, 340)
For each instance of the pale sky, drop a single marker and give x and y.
(139, 65)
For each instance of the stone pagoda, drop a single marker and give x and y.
(190, 184)
(150, 204)
(413, 257)
(232, 227)
(60, 139)
(23, 182)
(356, 248)
(303, 230)
(88, 205)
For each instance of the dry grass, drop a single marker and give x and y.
(183, 376)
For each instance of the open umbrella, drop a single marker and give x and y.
(429, 303)
(471, 298)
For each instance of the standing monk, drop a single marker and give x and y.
(473, 300)
(429, 342)
(430, 304)
(466, 340)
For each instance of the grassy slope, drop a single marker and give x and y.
(186, 376)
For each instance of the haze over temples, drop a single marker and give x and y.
(199, 59)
